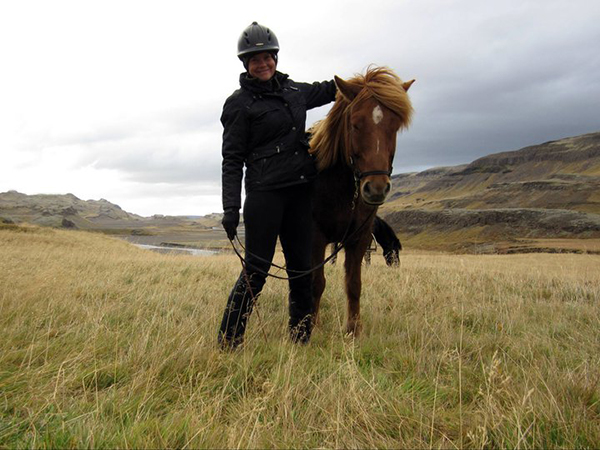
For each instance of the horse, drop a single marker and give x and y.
(354, 147)
(386, 237)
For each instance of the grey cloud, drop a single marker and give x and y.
(173, 146)
(167, 161)
(518, 89)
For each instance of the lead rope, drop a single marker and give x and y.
(301, 273)
(253, 298)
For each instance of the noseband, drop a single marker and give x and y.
(358, 175)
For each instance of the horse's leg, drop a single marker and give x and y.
(354, 256)
(318, 256)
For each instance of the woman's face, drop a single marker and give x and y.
(262, 66)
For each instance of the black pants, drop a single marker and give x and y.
(285, 213)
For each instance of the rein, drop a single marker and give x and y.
(301, 273)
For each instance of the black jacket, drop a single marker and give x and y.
(264, 129)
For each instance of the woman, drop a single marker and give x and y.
(264, 129)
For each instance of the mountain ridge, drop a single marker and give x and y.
(506, 195)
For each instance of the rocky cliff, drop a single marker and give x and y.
(546, 190)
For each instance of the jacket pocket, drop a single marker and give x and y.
(264, 165)
(268, 152)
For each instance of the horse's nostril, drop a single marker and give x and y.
(388, 188)
(367, 187)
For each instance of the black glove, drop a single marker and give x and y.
(231, 219)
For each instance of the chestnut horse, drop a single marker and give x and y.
(354, 147)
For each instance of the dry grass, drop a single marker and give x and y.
(106, 345)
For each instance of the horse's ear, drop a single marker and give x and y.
(408, 84)
(348, 90)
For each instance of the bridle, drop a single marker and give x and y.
(358, 175)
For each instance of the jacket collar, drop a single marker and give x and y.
(256, 86)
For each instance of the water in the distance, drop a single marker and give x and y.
(183, 250)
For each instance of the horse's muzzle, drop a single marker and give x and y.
(375, 192)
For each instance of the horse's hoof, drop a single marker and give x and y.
(353, 329)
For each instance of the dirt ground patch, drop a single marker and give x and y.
(586, 246)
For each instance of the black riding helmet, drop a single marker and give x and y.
(256, 39)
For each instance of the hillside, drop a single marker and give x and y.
(68, 211)
(551, 190)
(61, 210)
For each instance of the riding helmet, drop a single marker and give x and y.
(256, 39)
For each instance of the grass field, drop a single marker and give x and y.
(105, 345)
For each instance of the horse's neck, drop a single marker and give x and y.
(337, 191)
(337, 207)
(339, 182)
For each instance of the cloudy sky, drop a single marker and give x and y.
(121, 99)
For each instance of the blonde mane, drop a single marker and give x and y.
(329, 142)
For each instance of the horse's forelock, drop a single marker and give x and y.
(383, 84)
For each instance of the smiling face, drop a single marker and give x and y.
(262, 66)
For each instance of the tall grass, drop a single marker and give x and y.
(105, 345)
